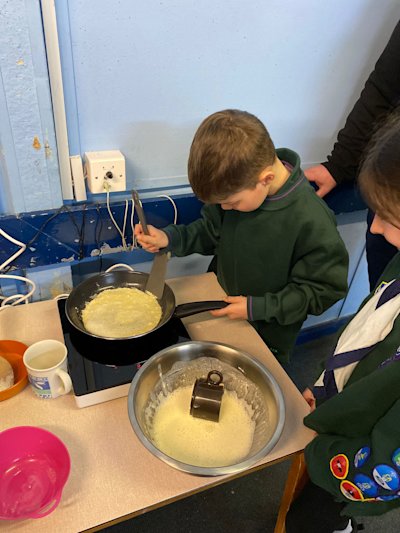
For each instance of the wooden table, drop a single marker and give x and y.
(113, 476)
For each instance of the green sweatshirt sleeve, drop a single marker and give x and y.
(356, 455)
(201, 236)
(318, 277)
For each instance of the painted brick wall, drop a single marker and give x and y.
(29, 165)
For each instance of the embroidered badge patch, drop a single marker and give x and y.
(339, 466)
(386, 477)
(362, 456)
(388, 497)
(351, 491)
(396, 457)
(366, 485)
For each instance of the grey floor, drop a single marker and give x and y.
(248, 504)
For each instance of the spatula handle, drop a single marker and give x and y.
(140, 212)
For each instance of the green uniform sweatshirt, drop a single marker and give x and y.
(356, 455)
(286, 257)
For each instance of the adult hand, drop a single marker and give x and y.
(321, 176)
(310, 399)
(236, 309)
(153, 242)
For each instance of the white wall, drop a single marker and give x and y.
(141, 74)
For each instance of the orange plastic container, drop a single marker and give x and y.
(13, 352)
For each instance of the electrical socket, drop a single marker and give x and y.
(105, 169)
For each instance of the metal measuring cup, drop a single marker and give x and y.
(206, 396)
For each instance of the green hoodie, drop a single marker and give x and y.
(287, 256)
(360, 430)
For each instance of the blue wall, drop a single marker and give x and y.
(140, 76)
(29, 175)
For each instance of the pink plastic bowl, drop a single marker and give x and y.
(34, 467)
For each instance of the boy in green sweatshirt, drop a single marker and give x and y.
(279, 254)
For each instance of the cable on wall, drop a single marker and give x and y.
(121, 232)
(134, 243)
(173, 205)
(15, 298)
(17, 253)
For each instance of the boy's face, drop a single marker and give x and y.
(250, 199)
(246, 200)
(390, 232)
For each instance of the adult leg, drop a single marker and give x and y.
(379, 253)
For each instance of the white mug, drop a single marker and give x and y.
(46, 363)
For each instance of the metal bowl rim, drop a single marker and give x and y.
(200, 470)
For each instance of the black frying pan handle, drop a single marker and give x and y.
(198, 307)
(140, 212)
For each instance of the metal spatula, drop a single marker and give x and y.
(156, 280)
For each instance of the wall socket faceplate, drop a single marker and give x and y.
(105, 169)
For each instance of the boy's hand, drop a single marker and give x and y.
(153, 242)
(237, 309)
(310, 399)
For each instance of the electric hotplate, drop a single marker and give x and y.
(96, 382)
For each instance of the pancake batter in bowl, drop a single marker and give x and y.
(123, 312)
(202, 442)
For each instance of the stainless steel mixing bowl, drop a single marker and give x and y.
(270, 408)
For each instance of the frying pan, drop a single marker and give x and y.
(91, 287)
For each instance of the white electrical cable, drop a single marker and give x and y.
(122, 233)
(134, 242)
(18, 298)
(14, 241)
(173, 205)
(15, 298)
(125, 218)
(62, 296)
(9, 299)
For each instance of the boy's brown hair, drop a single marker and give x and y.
(228, 152)
(379, 177)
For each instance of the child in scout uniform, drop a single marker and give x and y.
(356, 453)
(279, 254)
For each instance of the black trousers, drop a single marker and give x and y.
(315, 511)
(379, 253)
